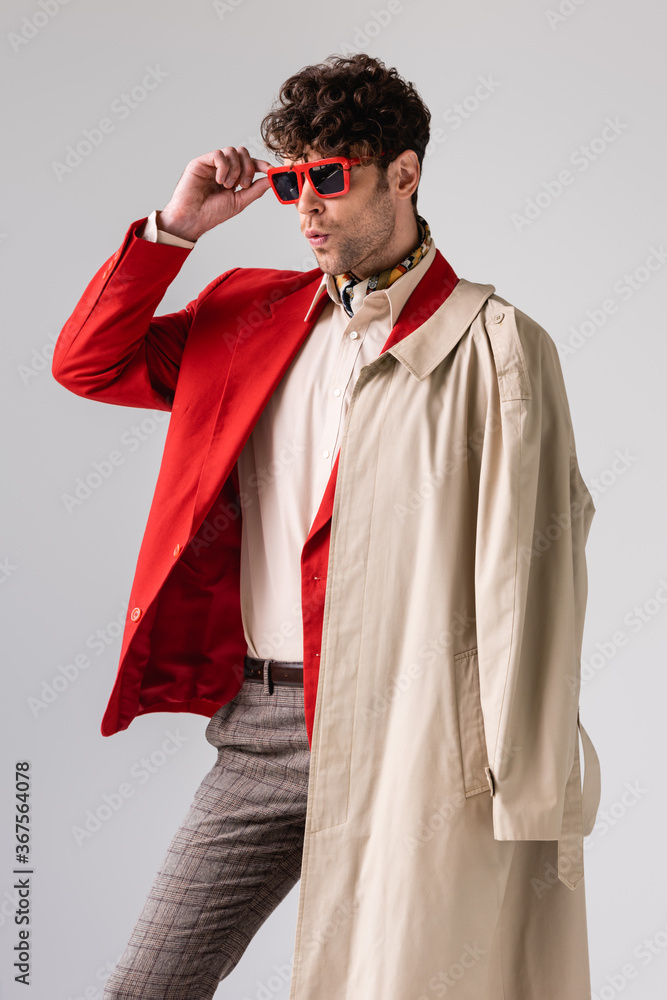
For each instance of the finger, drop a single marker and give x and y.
(262, 166)
(216, 159)
(231, 175)
(252, 193)
(220, 164)
(247, 167)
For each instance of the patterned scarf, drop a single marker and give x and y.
(384, 279)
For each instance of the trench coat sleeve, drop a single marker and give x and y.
(113, 348)
(533, 518)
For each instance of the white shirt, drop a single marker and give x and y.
(286, 462)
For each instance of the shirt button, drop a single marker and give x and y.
(136, 614)
(336, 392)
(325, 454)
(353, 334)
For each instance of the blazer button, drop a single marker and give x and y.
(177, 549)
(136, 614)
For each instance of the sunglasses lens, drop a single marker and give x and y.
(287, 185)
(329, 178)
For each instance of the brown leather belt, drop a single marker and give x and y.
(280, 671)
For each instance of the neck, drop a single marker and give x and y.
(406, 242)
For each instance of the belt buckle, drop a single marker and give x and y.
(267, 675)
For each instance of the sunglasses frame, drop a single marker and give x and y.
(304, 168)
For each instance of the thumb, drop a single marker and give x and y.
(247, 195)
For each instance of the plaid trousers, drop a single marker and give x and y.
(234, 858)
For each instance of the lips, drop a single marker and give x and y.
(315, 238)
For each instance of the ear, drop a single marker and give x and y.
(406, 173)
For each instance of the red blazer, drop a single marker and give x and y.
(214, 364)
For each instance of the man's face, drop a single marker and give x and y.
(358, 225)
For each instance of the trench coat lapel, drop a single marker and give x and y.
(438, 287)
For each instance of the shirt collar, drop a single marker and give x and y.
(397, 294)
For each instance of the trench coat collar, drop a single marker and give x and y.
(421, 347)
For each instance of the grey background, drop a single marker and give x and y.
(65, 574)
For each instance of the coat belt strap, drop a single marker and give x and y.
(579, 811)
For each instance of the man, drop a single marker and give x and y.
(365, 563)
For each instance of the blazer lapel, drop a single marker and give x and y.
(260, 358)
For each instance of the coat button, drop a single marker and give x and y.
(499, 317)
(177, 549)
(136, 614)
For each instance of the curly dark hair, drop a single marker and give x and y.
(348, 106)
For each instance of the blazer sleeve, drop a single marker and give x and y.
(113, 348)
(533, 519)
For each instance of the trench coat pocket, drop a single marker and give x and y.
(472, 739)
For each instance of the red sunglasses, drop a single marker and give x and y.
(328, 178)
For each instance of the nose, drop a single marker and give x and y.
(309, 201)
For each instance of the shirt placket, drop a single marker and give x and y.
(340, 389)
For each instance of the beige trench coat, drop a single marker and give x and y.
(443, 850)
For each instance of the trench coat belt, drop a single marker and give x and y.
(579, 812)
(279, 671)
